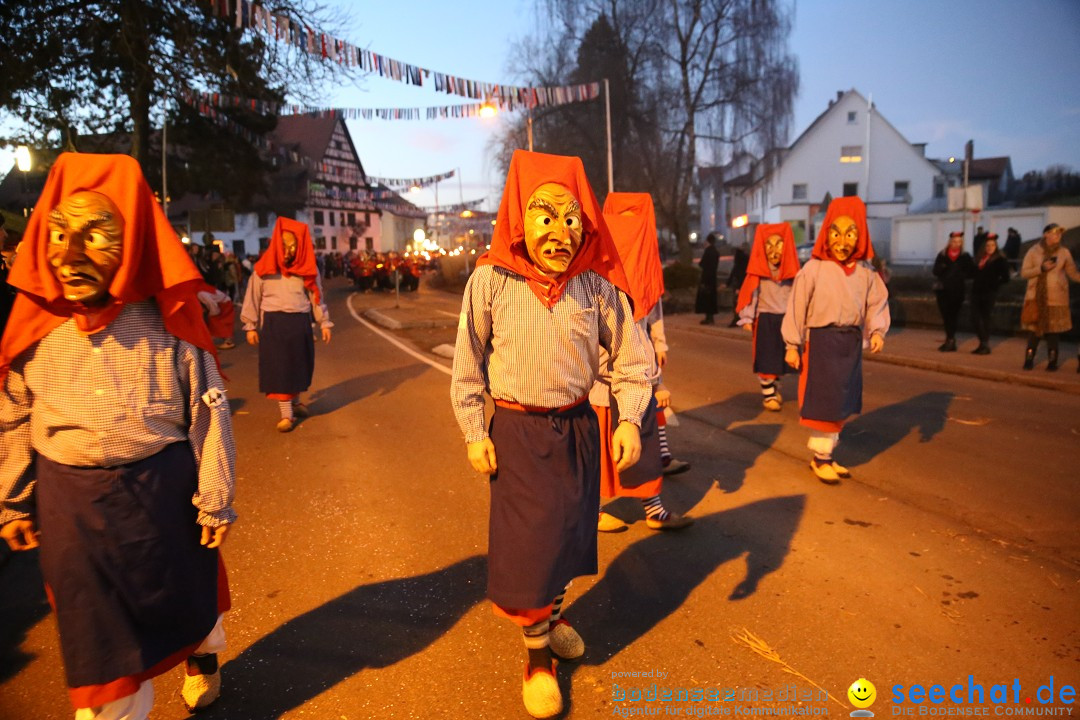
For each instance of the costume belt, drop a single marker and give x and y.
(540, 410)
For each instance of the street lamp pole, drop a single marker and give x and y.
(164, 175)
(607, 115)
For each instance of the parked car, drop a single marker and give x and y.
(804, 251)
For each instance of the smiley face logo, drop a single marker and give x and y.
(862, 693)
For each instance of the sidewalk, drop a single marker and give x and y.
(918, 348)
(909, 347)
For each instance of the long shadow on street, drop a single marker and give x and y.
(372, 626)
(330, 399)
(869, 435)
(22, 606)
(735, 415)
(652, 578)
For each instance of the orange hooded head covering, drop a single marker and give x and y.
(153, 263)
(528, 171)
(632, 221)
(854, 208)
(272, 261)
(758, 266)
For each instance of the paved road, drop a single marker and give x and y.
(358, 564)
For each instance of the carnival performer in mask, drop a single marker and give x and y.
(537, 309)
(838, 303)
(116, 444)
(281, 295)
(762, 302)
(632, 221)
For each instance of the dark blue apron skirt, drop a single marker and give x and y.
(120, 553)
(769, 345)
(833, 374)
(544, 497)
(648, 467)
(286, 353)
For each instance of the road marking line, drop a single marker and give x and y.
(393, 340)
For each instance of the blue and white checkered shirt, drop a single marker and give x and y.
(112, 398)
(509, 344)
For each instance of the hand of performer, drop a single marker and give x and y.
(791, 357)
(252, 337)
(213, 537)
(661, 358)
(20, 534)
(663, 397)
(748, 327)
(625, 445)
(1048, 264)
(326, 335)
(876, 343)
(482, 456)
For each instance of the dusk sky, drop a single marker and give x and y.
(998, 72)
(993, 71)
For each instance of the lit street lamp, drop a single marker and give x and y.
(23, 162)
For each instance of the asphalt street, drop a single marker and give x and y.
(358, 574)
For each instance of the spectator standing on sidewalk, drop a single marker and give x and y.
(952, 267)
(1047, 267)
(706, 294)
(739, 263)
(991, 272)
(1012, 249)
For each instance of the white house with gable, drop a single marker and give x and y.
(850, 149)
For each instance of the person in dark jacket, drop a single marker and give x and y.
(991, 272)
(739, 263)
(1013, 242)
(706, 294)
(951, 268)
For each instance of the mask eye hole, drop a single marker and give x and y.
(57, 237)
(573, 222)
(96, 240)
(543, 221)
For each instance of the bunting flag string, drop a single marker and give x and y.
(248, 15)
(412, 182)
(457, 208)
(441, 112)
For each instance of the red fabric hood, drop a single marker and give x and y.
(528, 171)
(154, 263)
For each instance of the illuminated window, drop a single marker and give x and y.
(851, 154)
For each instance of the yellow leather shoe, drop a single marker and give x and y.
(609, 523)
(825, 473)
(540, 692)
(672, 522)
(286, 425)
(773, 402)
(204, 687)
